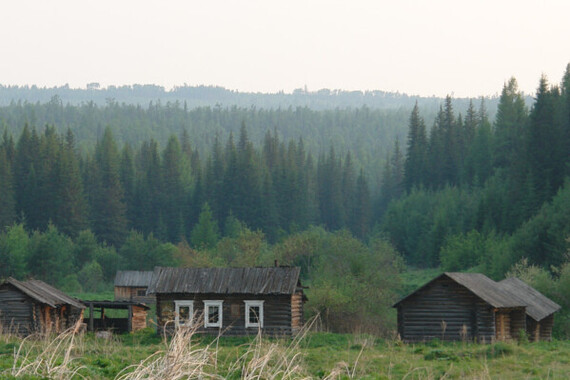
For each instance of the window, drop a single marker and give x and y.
(213, 313)
(254, 314)
(141, 292)
(184, 311)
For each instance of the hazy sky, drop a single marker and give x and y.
(435, 47)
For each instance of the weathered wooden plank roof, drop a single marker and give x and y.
(480, 285)
(485, 288)
(44, 293)
(133, 278)
(538, 306)
(271, 280)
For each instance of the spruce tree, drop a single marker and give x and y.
(108, 210)
(416, 152)
(173, 204)
(7, 201)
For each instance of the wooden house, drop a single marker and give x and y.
(539, 309)
(231, 301)
(460, 306)
(33, 306)
(132, 285)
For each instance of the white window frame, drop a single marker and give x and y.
(219, 305)
(177, 306)
(248, 304)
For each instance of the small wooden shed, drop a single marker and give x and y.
(539, 308)
(460, 306)
(131, 285)
(230, 301)
(32, 306)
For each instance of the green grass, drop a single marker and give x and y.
(317, 355)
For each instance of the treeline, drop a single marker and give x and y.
(278, 189)
(474, 194)
(191, 97)
(367, 132)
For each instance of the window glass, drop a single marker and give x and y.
(213, 314)
(184, 311)
(254, 313)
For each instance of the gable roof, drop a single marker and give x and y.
(271, 280)
(480, 285)
(44, 293)
(538, 305)
(133, 278)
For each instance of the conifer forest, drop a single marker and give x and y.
(347, 193)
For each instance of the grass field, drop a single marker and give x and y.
(144, 355)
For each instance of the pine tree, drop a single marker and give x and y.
(7, 201)
(205, 233)
(510, 126)
(128, 179)
(108, 210)
(173, 191)
(416, 152)
(545, 151)
(25, 178)
(70, 211)
(361, 213)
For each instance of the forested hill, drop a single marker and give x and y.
(340, 192)
(190, 97)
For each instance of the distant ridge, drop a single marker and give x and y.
(212, 96)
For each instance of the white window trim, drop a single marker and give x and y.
(219, 305)
(177, 305)
(259, 304)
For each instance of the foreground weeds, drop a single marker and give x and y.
(312, 355)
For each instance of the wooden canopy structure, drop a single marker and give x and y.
(132, 286)
(233, 301)
(135, 319)
(33, 306)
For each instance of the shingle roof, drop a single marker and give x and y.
(480, 285)
(538, 306)
(271, 280)
(44, 293)
(133, 278)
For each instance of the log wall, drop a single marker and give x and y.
(448, 311)
(16, 311)
(297, 320)
(138, 318)
(137, 294)
(539, 330)
(277, 314)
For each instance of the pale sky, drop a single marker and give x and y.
(434, 47)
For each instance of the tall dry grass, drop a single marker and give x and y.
(48, 355)
(262, 358)
(183, 357)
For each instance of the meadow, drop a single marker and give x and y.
(312, 355)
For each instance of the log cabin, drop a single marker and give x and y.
(131, 285)
(460, 306)
(33, 306)
(229, 301)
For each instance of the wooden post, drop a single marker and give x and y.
(130, 321)
(91, 311)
